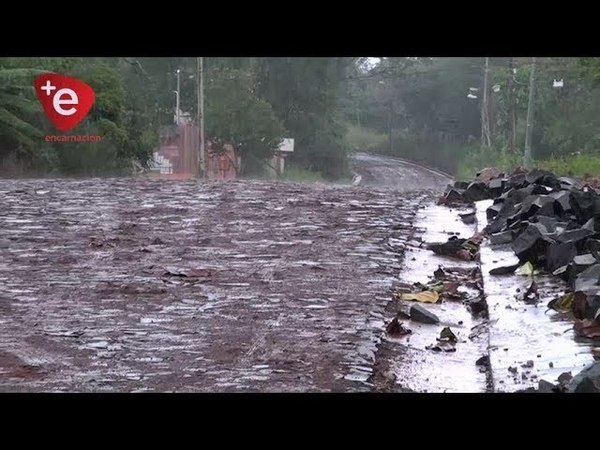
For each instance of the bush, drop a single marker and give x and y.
(580, 165)
(302, 175)
(365, 139)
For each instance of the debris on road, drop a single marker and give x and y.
(564, 378)
(423, 296)
(433, 291)
(460, 248)
(468, 218)
(188, 273)
(551, 224)
(419, 313)
(395, 328)
(446, 342)
(586, 381)
(562, 304)
(525, 270)
(447, 334)
(478, 306)
(532, 293)
(528, 365)
(504, 270)
(546, 387)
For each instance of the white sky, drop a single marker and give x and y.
(371, 62)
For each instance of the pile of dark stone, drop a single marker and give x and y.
(552, 222)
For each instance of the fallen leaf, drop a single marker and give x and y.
(477, 238)
(437, 286)
(579, 305)
(587, 328)
(525, 270)
(562, 304)
(465, 255)
(450, 287)
(423, 296)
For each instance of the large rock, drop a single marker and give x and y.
(503, 237)
(421, 314)
(488, 174)
(563, 201)
(559, 254)
(591, 245)
(454, 195)
(496, 185)
(517, 181)
(585, 205)
(499, 224)
(462, 185)
(535, 176)
(574, 236)
(532, 243)
(588, 280)
(544, 206)
(551, 224)
(592, 225)
(586, 381)
(475, 192)
(493, 211)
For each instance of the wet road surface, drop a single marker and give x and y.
(148, 285)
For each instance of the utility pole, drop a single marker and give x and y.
(485, 123)
(200, 91)
(512, 116)
(177, 102)
(390, 135)
(529, 129)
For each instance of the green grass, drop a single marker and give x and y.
(581, 166)
(475, 159)
(364, 139)
(574, 166)
(302, 175)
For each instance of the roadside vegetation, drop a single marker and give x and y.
(428, 110)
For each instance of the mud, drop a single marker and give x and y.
(147, 285)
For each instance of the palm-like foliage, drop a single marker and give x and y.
(18, 107)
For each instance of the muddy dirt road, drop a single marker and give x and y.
(147, 285)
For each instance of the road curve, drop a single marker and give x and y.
(386, 172)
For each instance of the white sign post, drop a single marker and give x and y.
(287, 145)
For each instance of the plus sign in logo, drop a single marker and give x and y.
(66, 101)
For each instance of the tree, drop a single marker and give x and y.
(304, 93)
(18, 106)
(236, 115)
